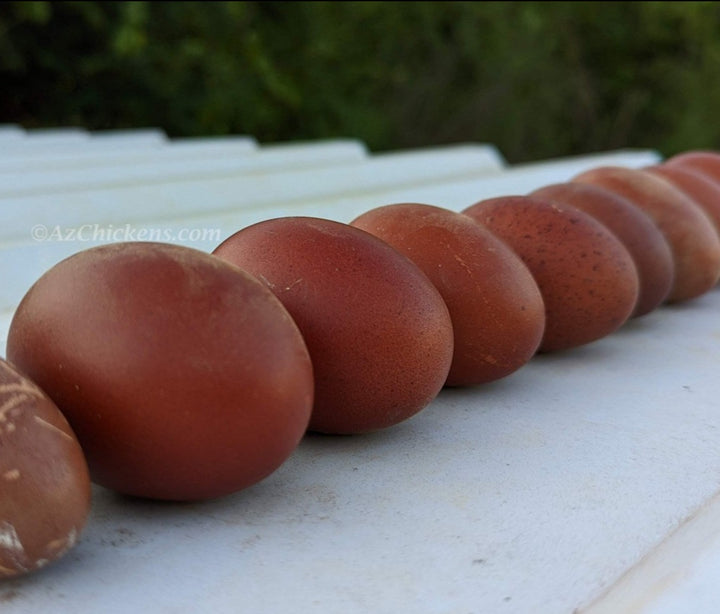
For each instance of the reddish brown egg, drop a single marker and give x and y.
(635, 229)
(379, 333)
(687, 228)
(699, 187)
(496, 308)
(44, 481)
(587, 278)
(706, 162)
(183, 377)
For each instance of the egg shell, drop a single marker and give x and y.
(183, 377)
(635, 229)
(379, 333)
(705, 162)
(587, 278)
(687, 228)
(44, 482)
(495, 305)
(699, 187)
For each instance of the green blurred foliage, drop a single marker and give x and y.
(537, 79)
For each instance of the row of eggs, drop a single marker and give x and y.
(165, 372)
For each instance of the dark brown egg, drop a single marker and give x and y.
(699, 187)
(183, 377)
(687, 228)
(496, 308)
(44, 481)
(635, 229)
(379, 333)
(587, 278)
(705, 162)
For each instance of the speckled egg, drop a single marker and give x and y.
(379, 334)
(687, 228)
(183, 377)
(635, 229)
(44, 480)
(705, 162)
(496, 308)
(699, 187)
(586, 276)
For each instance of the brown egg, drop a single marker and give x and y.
(495, 305)
(378, 331)
(635, 229)
(183, 377)
(699, 187)
(705, 162)
(689, 231)
(44, 481)
(587, 278)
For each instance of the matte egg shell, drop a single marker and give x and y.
(587, 278)
(44, 480)
(635, 229)
(496, 307)
(379, 333)
(687, 228)
(705, 162)
(699, 187)
(183, 377)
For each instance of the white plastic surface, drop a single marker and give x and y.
(147, 167)
(677, 577)
(51, 160)
(48, 138)
(178, 199)
(10, 132)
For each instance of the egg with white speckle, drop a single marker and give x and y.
(44, 479)
(183, 377)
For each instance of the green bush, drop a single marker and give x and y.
(539, 80)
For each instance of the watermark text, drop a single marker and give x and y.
(94, 233)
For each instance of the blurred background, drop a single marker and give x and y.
(537, 79)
